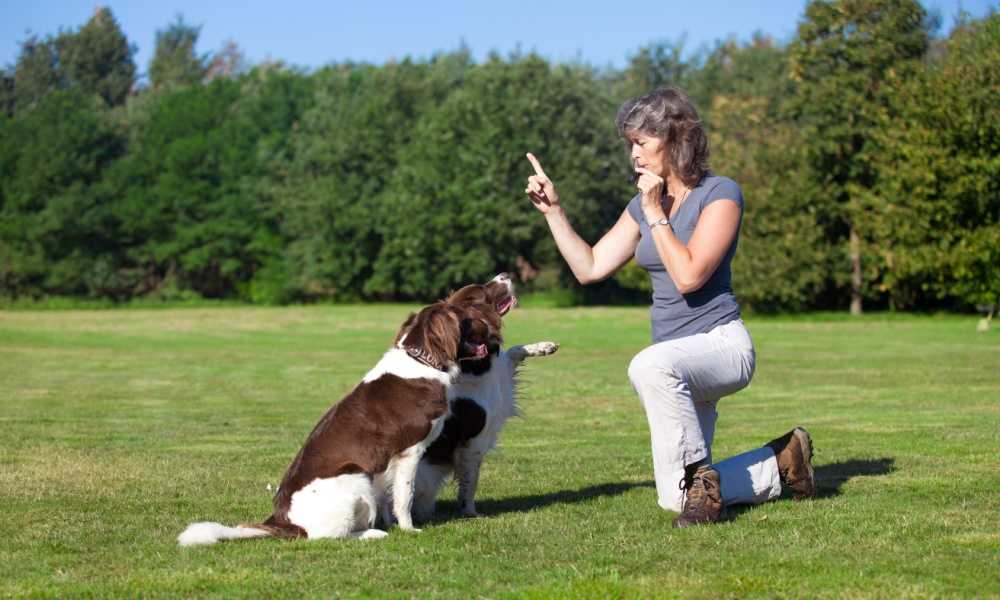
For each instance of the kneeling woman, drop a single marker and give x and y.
(682, 227)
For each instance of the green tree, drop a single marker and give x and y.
(6, 93)
(98, 58)
(187, 218)
(175, 62)
(36, 72)
(783, 259)
(455, 210)
(57, 233)
(344, 154)
(936, 206)
(757, 69)
(95, 59)
(655, 65)
(272, 103)
(841, 60)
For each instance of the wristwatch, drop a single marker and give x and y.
(663, 221)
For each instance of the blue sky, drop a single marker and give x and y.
(314, 33)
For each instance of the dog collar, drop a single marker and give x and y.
(422, 356)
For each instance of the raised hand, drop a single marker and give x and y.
(541, 189)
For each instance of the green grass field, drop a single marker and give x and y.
(119, 427)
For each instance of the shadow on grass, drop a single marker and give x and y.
(449, 510)
(830, 478)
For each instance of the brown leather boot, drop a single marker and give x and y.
(794, 452)
(703, 497)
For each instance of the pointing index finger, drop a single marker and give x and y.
(538, 167)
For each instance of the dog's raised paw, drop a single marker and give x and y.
(541, 348)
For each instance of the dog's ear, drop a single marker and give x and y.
(404, 328)
(443, 333)
(436, 331)
(496, 325)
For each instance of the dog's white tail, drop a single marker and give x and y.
(205, 533)
(337, 507)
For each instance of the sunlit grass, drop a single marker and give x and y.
(119, 427)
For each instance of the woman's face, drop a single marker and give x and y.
(648, 152)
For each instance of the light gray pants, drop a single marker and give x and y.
(679, 382)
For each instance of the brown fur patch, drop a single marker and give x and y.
(480, 301)
(361, 433)
(381, 418)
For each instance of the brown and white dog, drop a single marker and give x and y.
(371, 441)
(484, 398)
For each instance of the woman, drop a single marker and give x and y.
(682, 227)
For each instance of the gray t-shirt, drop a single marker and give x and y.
(673, 314)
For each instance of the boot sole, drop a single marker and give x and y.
(805, 442)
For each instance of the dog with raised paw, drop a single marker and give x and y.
(484, 398)
(369, 445)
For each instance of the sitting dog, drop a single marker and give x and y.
(484, 398)
(372, 440)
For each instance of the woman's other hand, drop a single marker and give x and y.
(540, 189)
(651, 186)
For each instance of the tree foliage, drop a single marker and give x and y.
(460, 181)
(845, 56)
(175, 61)
(343, 155)
(98, 58)
(36, 73)
(866, 151)
(935, 211)
(57, 231)
(93, 60)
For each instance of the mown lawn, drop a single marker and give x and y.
(119, 427)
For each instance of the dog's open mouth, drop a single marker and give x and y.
(507, 303)
(476, 351)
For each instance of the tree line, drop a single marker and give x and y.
(867, 148)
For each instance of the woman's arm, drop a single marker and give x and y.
(589, 264)
(691, 265)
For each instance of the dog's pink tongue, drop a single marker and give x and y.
(481, 351)
(507, 304)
